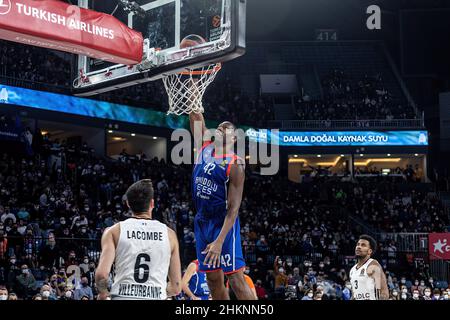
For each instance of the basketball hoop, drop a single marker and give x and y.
(186, 89)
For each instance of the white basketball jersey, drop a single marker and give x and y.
(363, 286)
(142, 261)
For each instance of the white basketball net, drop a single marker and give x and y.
(186, 89)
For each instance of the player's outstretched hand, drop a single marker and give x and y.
(213, 251)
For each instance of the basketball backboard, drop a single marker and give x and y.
(164, 24)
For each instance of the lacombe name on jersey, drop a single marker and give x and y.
(142, 235)
(140, 291)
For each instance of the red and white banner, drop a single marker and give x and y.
(60, 26)
(439, 246)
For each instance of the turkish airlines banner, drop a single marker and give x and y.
(60, 26)
(439, 246)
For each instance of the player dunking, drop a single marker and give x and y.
(145, 253)
(367, 277)
(217, 188)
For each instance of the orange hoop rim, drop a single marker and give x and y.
(216, 68)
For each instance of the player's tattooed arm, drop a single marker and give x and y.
(102, 286)
(237, 177)
(376, 272)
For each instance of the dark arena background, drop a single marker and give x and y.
(379, 96)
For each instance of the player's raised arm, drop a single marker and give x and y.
(236, 189)
(106, 261)
(197, 122)
(174, 285)
(376, 272)
(186, 278)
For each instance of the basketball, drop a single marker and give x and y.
(191, 40)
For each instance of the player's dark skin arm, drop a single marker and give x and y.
(237, 177)
(197, 124)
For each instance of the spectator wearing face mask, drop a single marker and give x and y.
(281, 279)
(403, 296)
(85, 290)
(404, 290)
(394, 295)
(26, 284)
(84, 265)
(7, 215)
(261, 244)
(67, 294)
(47, 293)
(436, 295)
(309, 295)
(421, 287)
(295, 278)
(3, 293)
(446, 294)
(305, 266)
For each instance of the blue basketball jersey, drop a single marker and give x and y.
(209, 182)
(198, 284)
(209, 193)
